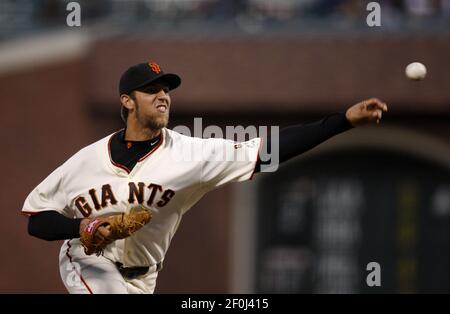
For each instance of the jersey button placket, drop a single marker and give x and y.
(136, 169)
(130, 176)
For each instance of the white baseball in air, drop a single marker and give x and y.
(416, 71)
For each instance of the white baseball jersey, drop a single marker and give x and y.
(169, 180)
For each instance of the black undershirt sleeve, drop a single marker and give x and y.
(51, 225)
(297, 139)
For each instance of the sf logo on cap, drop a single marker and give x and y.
(155, 67)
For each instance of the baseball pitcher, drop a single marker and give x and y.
(118, 202)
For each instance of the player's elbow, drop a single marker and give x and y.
(35, 230)
(32, 228)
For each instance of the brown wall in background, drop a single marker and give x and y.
(49, 112)
(43, 123)
(282, 75)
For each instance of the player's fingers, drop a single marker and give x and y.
(104, 241)
(382, 106)
(104, 231)
(377, 114)
(102, 234)
(375, 103)
(103, 237)
(99, 237)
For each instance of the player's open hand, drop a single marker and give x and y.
(364, 112)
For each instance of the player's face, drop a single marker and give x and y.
(152, 106)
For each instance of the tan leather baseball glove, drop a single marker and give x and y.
(97, 233)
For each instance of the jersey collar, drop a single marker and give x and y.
(128, 171)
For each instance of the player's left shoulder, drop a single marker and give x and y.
(172, 137)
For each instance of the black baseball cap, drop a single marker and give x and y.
(143, 74)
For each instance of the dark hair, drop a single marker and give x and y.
(124, 110)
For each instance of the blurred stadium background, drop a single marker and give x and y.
(376, 194)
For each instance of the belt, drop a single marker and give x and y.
(135, 272)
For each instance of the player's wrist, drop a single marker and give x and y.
(83, 223)
(349, 117)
